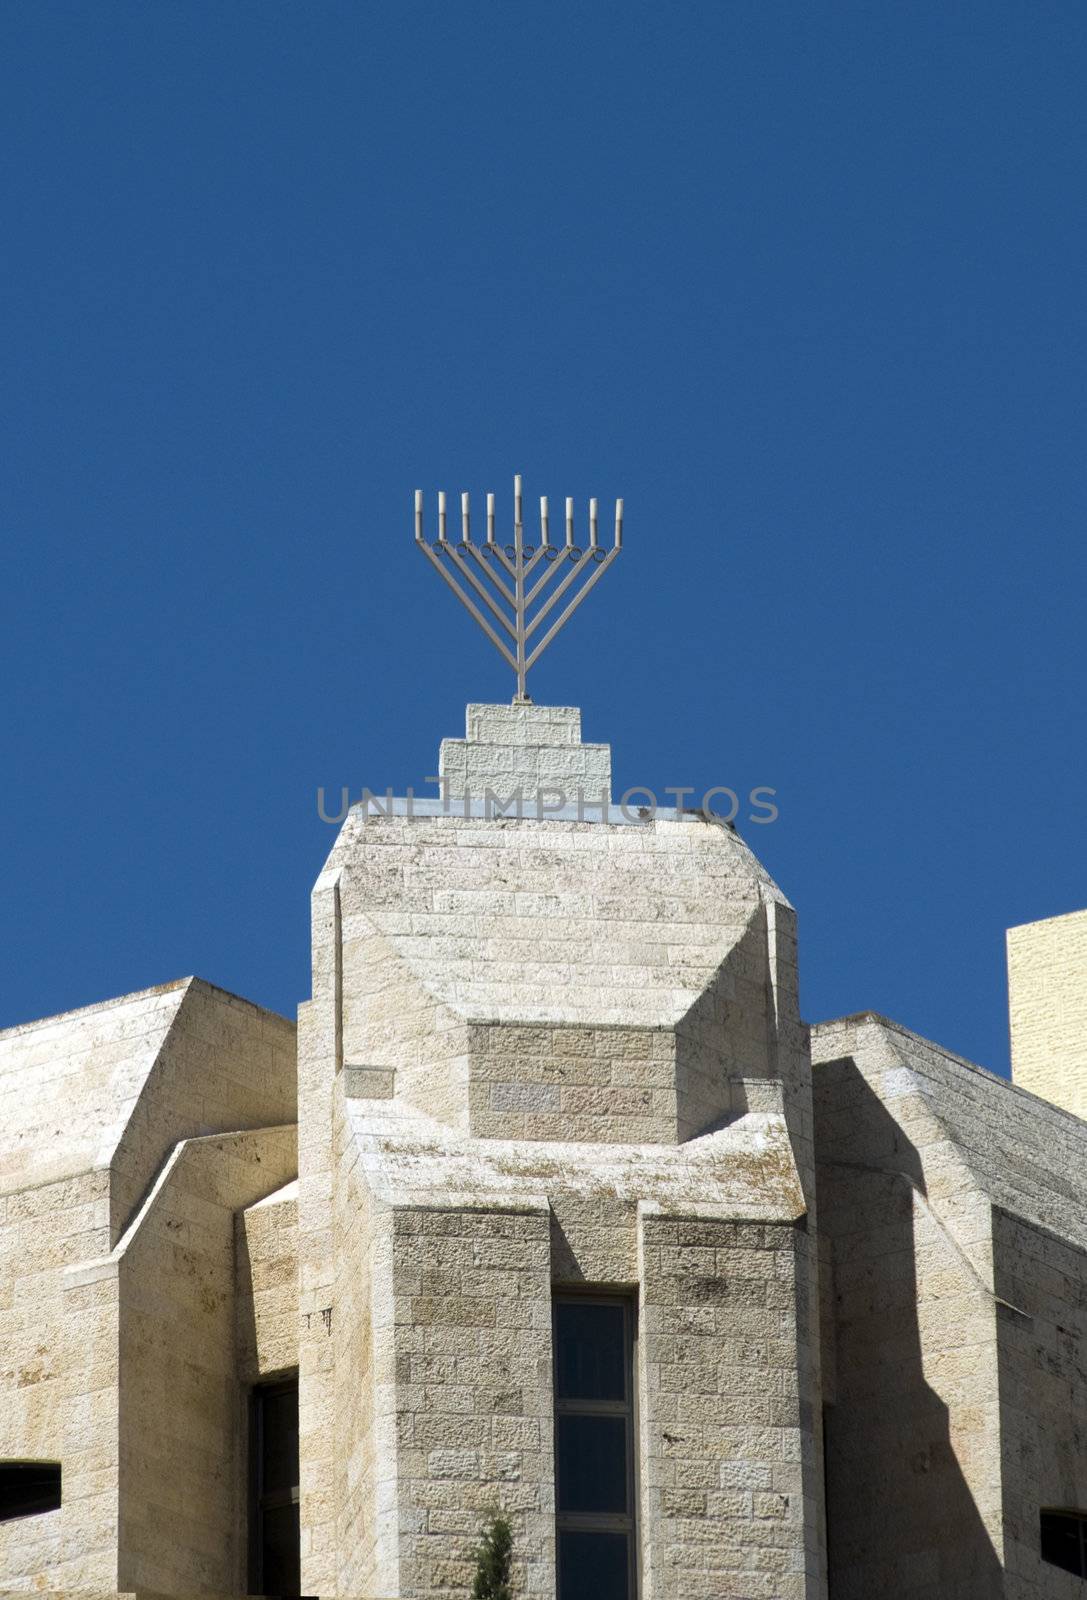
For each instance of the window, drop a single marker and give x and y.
(27, 1487)
(1064, 1540)
(594, 1447)
(274, 1565)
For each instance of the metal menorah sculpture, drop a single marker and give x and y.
(517, 561)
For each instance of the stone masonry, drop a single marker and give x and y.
(1047, 1002)
(132, 1134)
(551, 1047)
(546, 1051)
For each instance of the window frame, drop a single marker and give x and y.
(261, 1500)
(601, 1522)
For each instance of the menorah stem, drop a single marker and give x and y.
(519, 592)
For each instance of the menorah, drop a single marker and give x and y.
(510, 606)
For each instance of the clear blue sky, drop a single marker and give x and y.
(804, 283)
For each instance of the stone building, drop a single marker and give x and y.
(1047, 983)
(553, 1205)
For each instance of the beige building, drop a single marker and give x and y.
(554, 1205)
(1047, 983)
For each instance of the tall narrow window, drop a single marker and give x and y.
(274, 1563)
(1064, 1540)
(594, 1447)
(27, 1487)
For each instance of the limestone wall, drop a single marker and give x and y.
(913, 1432)
(361, 1500)
(95, 1104)
(181, 1402)
(610, 1084)
(69, 1083)
(473, 1402)
(266, 1263)
(528, 749)
(1047, 1003)
(389, 1018)
(548, 921)
(523, 1033)
(58, 1382)
(452, 927)
(320, 1063)
(115, 1085)
(449, 1253)
(1042, 1337)
(224, 1064)
(725, 1415)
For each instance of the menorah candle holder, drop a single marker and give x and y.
(482, 570)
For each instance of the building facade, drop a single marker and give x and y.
(551, 1206)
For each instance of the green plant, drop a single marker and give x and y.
(493, 1561)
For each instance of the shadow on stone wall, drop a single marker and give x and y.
(901, 1517)
(724, 1035)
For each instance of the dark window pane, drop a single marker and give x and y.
(27, 1487)
(592, 1464)
(279, 1427)
(590, 1351)
(594, 1566)
(280, 1568)
(1062, 1543)
(274, 1524)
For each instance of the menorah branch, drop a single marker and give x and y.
(470, 606)
(460, 556)
(597, 574)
